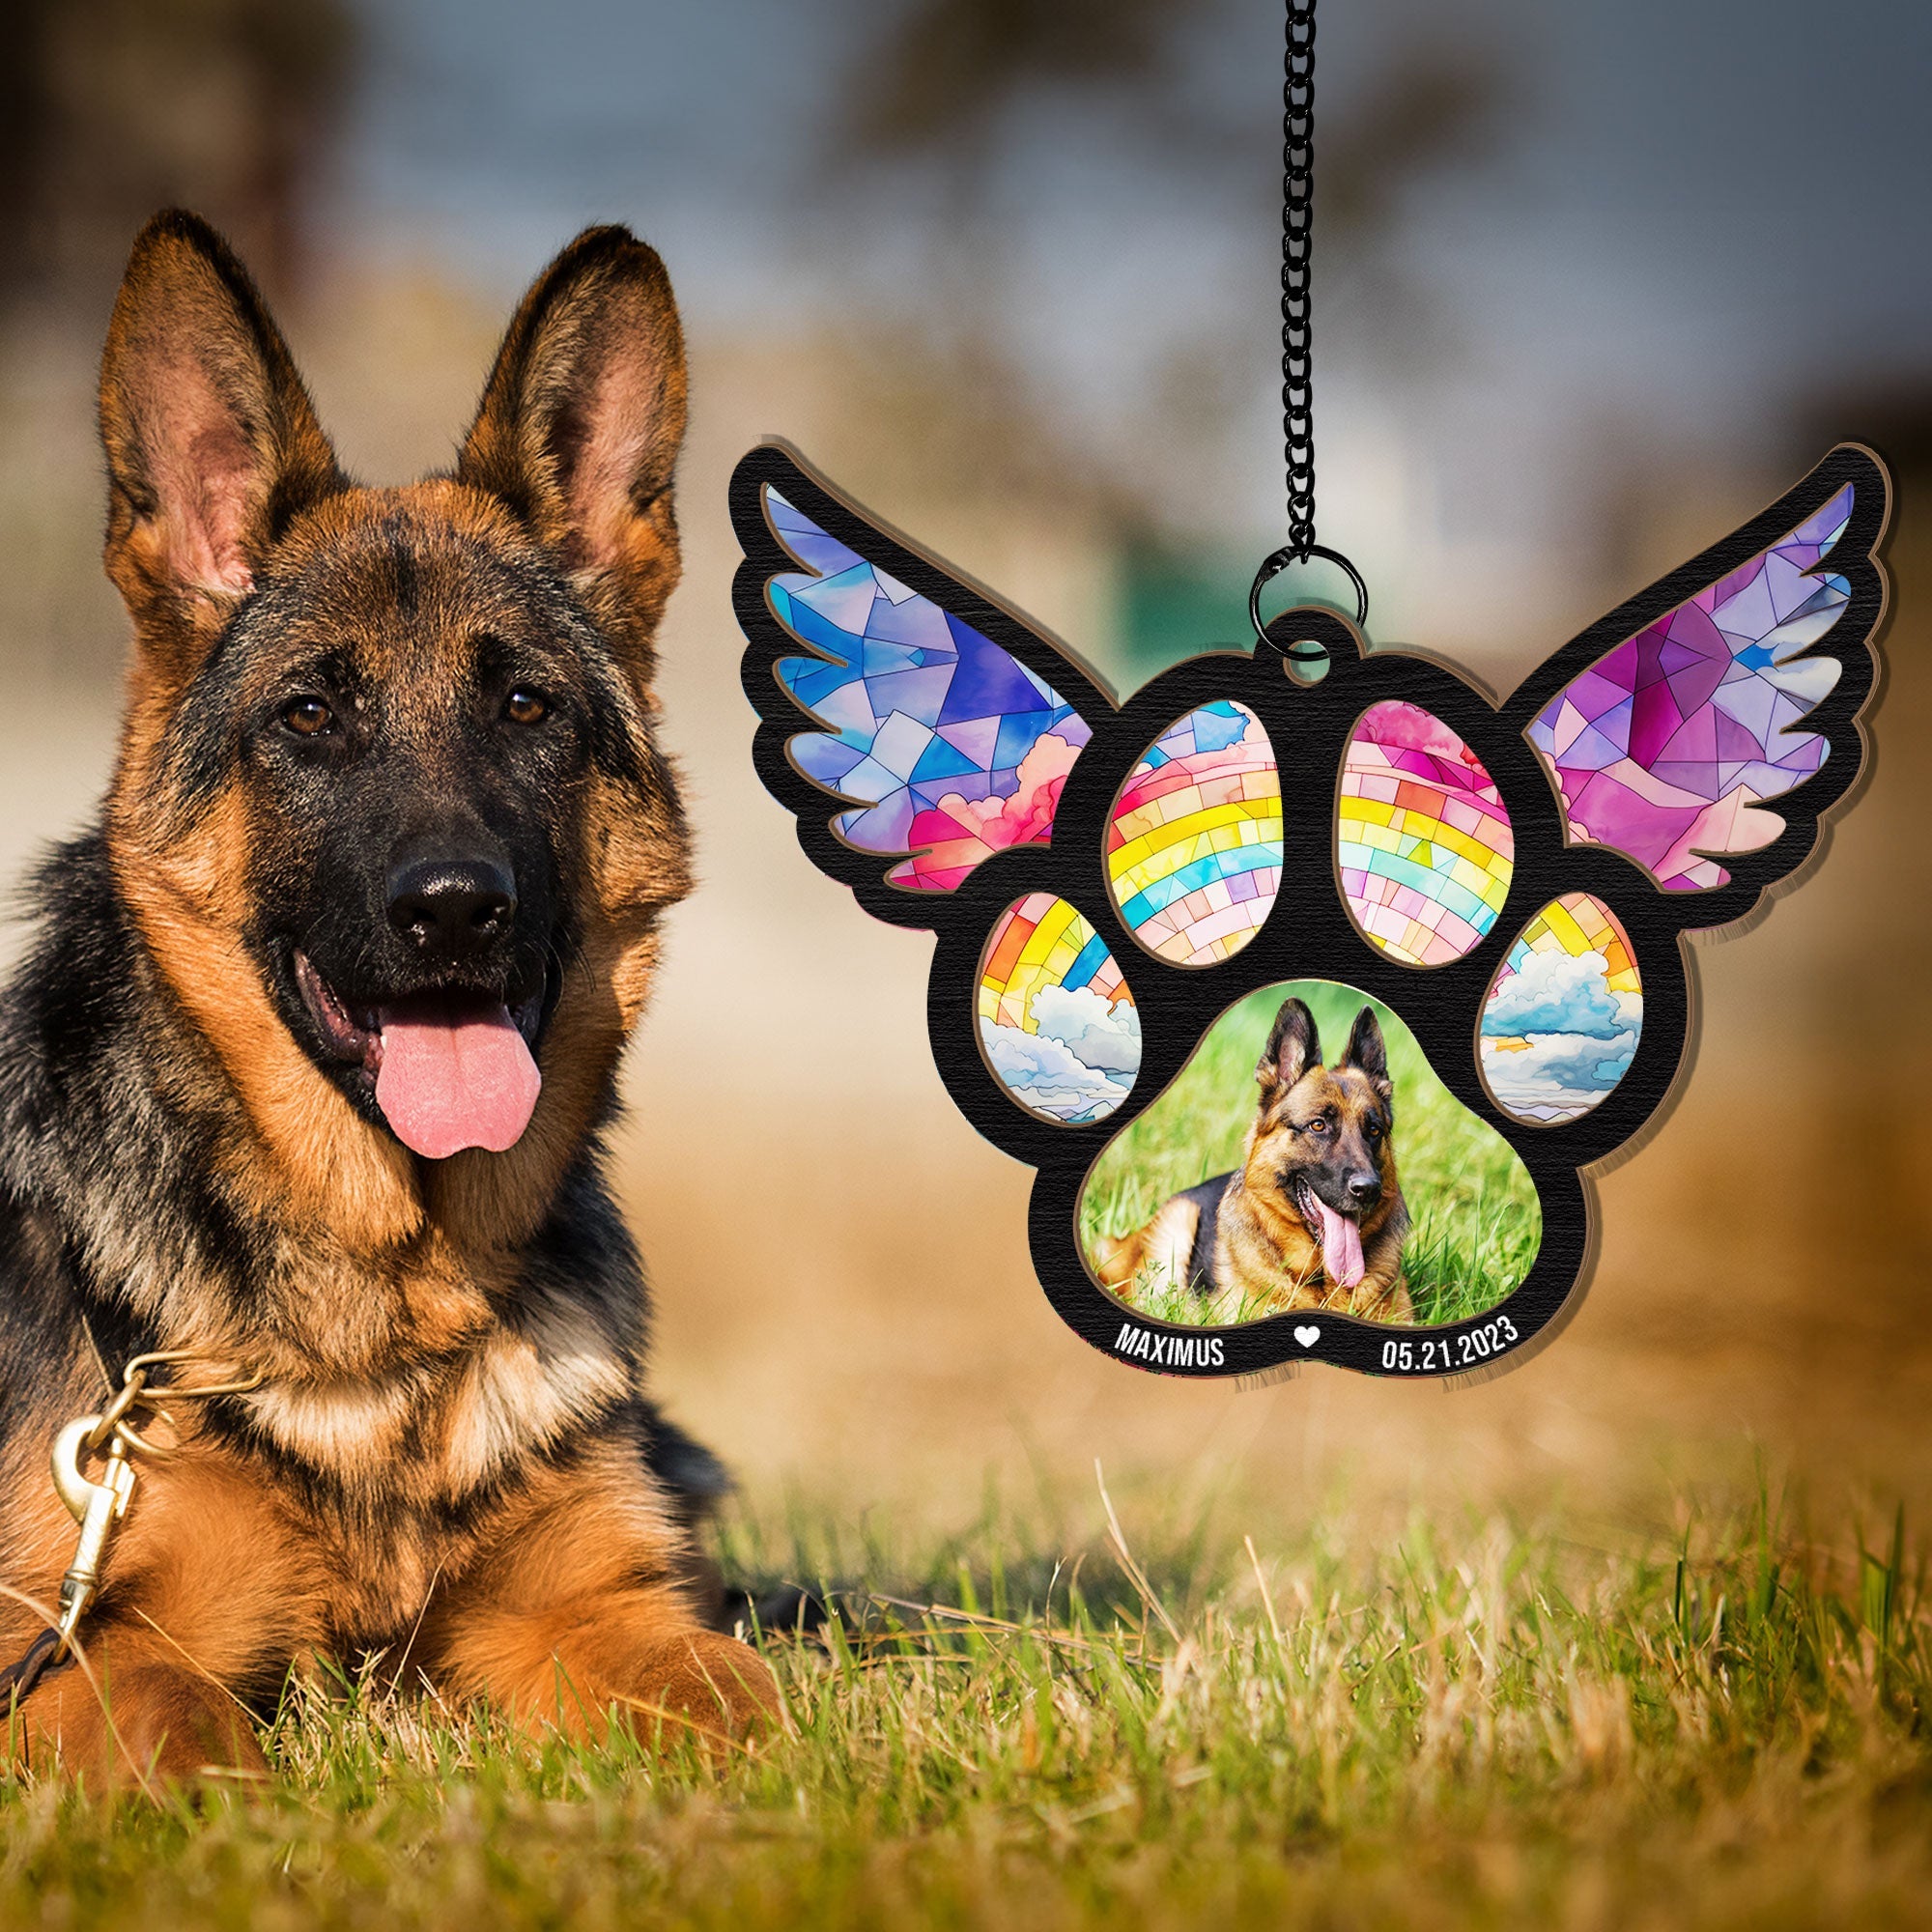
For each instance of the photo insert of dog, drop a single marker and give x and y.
(306, 1074)
(1270, 1176)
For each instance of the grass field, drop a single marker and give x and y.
(1464, 1722)
(1476, 1219)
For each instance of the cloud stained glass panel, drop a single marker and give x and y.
(1057, 1022)
(1564, 1013)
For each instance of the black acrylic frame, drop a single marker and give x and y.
(1309, 934)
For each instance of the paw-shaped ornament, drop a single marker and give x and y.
(1151, 915)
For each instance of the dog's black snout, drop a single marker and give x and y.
(1364, 1186)
(452, 907)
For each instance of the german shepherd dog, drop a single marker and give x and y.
(307, 1072)
(1314, 1216)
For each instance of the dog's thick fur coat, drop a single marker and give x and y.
(451, 1455)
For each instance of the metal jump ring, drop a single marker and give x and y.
(1273, 566)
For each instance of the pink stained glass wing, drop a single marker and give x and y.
(947, 746)
(1666, 747)
(1422, 841)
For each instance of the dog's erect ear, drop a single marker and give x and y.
(1293, 1047)
(580, 426)
(211, 441)
(1368, 1052)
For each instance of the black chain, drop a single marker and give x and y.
(1297, 367)
(1298, 198)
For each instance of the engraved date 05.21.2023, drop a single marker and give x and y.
(1445, 1355)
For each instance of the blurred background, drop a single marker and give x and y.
(1593, 283)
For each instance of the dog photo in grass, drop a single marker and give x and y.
(1272, 1177)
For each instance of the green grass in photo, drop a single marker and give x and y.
(1223, 1715)
(1476, 1223)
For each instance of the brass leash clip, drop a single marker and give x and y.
(98, 1505)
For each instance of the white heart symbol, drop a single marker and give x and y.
(1308, 1337)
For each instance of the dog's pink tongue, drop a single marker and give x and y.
(454, 1077)
(1341, 1246)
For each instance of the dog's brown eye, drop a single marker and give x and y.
(307, 717)
(1315, 1127)
(525, 706)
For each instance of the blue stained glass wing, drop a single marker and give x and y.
(945, 747)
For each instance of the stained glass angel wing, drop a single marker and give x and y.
(944, 725)
(1735, 682)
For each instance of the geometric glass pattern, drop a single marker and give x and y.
(1194, 846)
(953, 748)
(1663, 746)
(1424, 844)
(1057, 1022)
(1564, 1013)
